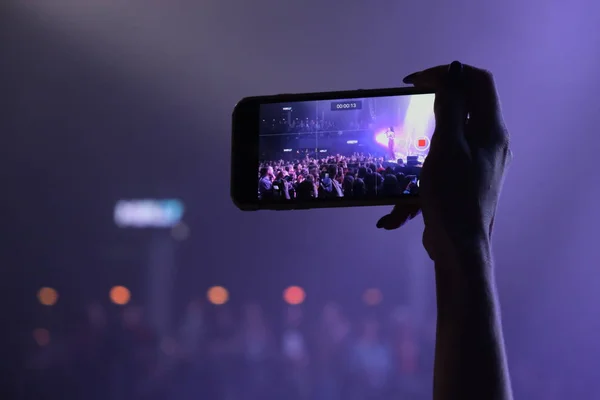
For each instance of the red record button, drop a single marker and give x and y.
(422, 143)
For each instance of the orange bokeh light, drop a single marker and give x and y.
(47, 296)
(120, 295)
(41, 336)
(372, 297)
(294, 295)
(217, 295)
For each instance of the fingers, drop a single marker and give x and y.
(486, 123)
(431, 78)
(450, 105)
(399, 216)
(483, 96)
(475, 94)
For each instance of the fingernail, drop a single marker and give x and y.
(410, 78)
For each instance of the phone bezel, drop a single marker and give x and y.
(245, 151)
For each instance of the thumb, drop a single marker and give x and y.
(399, 216)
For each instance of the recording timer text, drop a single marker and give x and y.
(346, 105)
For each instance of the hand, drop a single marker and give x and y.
(470, 144)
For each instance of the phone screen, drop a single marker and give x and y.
(356, 148)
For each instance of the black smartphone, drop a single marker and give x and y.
(333, 149)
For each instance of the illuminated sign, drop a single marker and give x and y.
(148, 213)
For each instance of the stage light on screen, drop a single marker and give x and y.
(412, 133)
(217, 295)
(47, 296)
(352, 142)
(148, 213)
(287, 150)
(41, 337)
(381, 138)
(294, 295)
(323, 151)
(419, 115)
(119, 295)
(372, 297)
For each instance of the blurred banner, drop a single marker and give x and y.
(148, 213)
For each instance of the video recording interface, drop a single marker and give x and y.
(347, 148)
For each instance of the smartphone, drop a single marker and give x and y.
(332, 149)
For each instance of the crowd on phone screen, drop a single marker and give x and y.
(357, 176)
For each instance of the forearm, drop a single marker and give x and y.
(470, 361)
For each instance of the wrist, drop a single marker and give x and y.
(465, 282)
(464, 273)
(459, 250)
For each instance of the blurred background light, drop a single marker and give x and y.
(294, 295)
(47, 296)
(180, 231)
(372, 296)
(217, 295)
(120, 295)
(169, 346)
(41, 337)
(148, 213)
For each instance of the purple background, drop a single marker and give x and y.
(109, 100)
